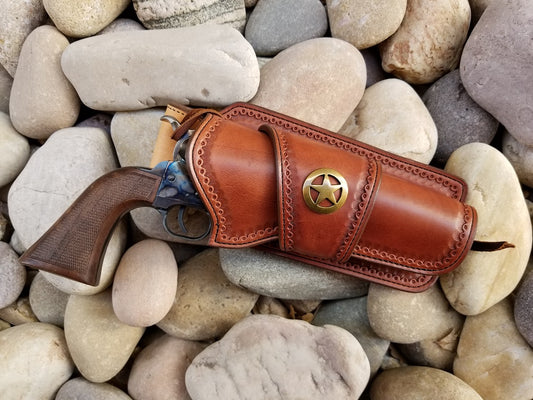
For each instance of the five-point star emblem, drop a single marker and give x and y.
(325, 190)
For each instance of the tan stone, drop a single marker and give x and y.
(429, 41)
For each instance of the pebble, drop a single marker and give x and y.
(520, 156)
(271, 275)
(502, 88)
(81, 389)
(421, 383)
(429, 41)
(6, 81)
(478, 7)
(122, 24)
(374, 72)
(365, 23)
(34, 361)
(18, 313)
(158, 371)
(432, 353)
(270, 306)
(351, 314)
(85, 17)
(47, 302)
(42, 99)
(275, 25)
(49, 184)
(15, 151)
(492, 356)
(392, 116)
(496, 194)
(165, 14)
(17, 20)
(134, 134)
(12, 275)
(459, 119)
(404, 317)
(339, 76)
(129, 67)
(99, 343)
(145, 283)
(271, 357)
(206, 303)
(523, 308)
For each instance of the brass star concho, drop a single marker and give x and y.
(325, 190)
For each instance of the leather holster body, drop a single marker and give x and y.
(327, 200)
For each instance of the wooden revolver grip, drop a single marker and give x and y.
(73, 247)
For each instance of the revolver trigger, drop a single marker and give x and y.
(180, 218)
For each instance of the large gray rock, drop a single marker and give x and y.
(496, 194)
(459, 119)
(164, 14)
(206, 65)
(275, 25)
(270, 357)
(429, 41)
(17, 20)
(47, 302)
(81, 389)
(12, 275)
(83, 17)
(523, 308)
(34, 360)
(496, 65)
(275, 276)
(319, 81)
(42, 99)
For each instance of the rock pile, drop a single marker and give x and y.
(82, 87)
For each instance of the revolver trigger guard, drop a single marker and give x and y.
(182, 226)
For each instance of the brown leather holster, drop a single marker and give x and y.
(327, 200)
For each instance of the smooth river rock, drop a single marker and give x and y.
(100, 344)
(523, 308)
(207, 304)
(365, 23)
(459, 119)
(158, 372)
(145, 283)
(392, 116)
(55, 175)
(17, 20)
(351, 314)
(338, 81)
(520, 156)
(421, 383)
(15, 151)
(134, 134)
(403, 317)
(485, 278)
(496, 65)
(164, 14)
(81, 389)
(275, 276)
(271, 357)
(83, 17)
(34, 361)
(274, 25)
(139, 69)
(42, 99)
(429, 41)
(493, 357)
(12, 275)
(47, 302)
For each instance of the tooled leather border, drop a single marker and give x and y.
(456, 187)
